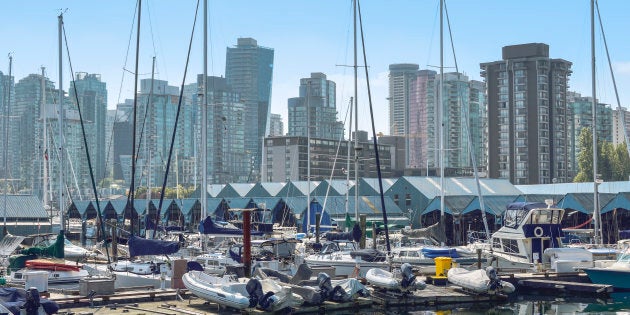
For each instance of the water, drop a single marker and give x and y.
(618, 303)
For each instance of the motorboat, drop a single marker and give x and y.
(479, 281)
(528, 230)
(59, 271)
(386, 280)
(423, 257)
(316, 291)
(347, 260)
(155, 273)
(616, 274)
(241, 294)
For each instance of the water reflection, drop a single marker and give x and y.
(618, 303)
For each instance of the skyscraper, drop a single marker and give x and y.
(6, 87)
(25, 136)
(276, 126)
(318, 95)
(226, 155)
(527, 115)
(417, 95)
(400, 76)
(249, 70)
(92, 96)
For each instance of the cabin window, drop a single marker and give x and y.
(408, 199)
(396, 198)
(496, 243)
(510, 246)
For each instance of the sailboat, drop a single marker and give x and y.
(352, 261)
(618, 273)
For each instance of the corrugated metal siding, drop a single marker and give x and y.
(24, 207)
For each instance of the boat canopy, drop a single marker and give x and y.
(141, 246)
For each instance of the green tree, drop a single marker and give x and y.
(585, 158)
(613, 162)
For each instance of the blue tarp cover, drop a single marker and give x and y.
(150, 225)
(207, 226)
(14, 299)
(141, 246)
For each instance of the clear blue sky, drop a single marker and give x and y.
(311, 36)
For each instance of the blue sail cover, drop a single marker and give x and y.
(325, 220)
(207, 226)
(150, 225)
(141, 246)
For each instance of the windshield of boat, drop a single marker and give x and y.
(513, 217)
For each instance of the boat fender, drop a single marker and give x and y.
(538, 231)
(408, 278)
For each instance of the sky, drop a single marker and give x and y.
(311, 36)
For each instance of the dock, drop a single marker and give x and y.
(433, 295)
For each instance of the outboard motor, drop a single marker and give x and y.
(32, 301)
(256, 296)
(336, 294)
(495, 281)
(408, 278)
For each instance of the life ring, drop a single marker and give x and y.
(538, 231)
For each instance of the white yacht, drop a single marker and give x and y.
(347, 260)
(528, 229)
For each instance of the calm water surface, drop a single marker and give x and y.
(618, 303)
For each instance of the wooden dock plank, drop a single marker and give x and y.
(566, 286)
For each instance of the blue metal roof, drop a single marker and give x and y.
(24, 207)
(455, 186)
(238, 203)
(186, 205)
(82, 205)
(452, 204)
(215, 189)
(265, 189)
(494, 205)
(620, 201)
(566, 188)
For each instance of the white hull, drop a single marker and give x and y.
(128, 279)
(53, 276)
(344, 263)
(230, 295)
(382, 279)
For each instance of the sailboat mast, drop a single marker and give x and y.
(146, 141)
(135, 102)
(204, 123)
(356, 120)
(441, 111)
(61, 123)
(308, 158)
(348, 161)
(45, 142)
(6, 145)
(596, 215)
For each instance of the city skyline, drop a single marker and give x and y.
(408, 32)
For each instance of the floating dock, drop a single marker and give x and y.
(433, 295)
